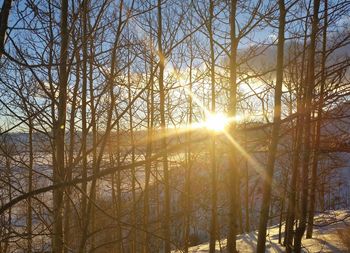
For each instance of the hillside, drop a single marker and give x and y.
(326, 238)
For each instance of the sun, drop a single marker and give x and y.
(216, 122)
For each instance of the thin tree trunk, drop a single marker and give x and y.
(246, 192)
(282, 207)
(292, 195)
(93, 125)
(119, 196)
(268, 177)
(4, 16)
(234, 173)
(318, 128)
(9, 215)
(280, 221)
(307, 131)
(59, 170)
(116, 193)
(247, 218)
(213, 176)
(188, 206)
(166, 222)
(133, 173)
(83, 117)
(114, 199)
(322, 193)
(30, 186)
(148, 165)
(67, 205)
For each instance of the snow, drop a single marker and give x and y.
(325, 237)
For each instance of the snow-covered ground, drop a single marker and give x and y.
(325, 237)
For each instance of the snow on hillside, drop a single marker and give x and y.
(325, 238)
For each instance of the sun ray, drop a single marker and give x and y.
(218, 124)
(252, 161)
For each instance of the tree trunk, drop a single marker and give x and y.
(133, 173)
(149, 148)
(30, 186)
(93, 125)
(59, 169)
(116, 192)
(292, 195)
(213, 176)
(268, 177)
(83, 118)
(247, 217)
(307, 131)
(318, 128)
(188, 205)
(234, 173)
(166, 221)
(5, 12)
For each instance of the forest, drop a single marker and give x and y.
(174, 126)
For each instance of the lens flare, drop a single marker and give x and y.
(216, 122)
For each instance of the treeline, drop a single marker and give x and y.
(110, 96)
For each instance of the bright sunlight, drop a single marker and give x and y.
(216, 122)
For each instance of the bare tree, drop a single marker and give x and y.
(318, 123)
(213, 165)
(59, 134)
(167, 221)
(5, 12)
(233, 227)
(310, 83)
(268, 177)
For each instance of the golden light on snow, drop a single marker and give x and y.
(216, 122)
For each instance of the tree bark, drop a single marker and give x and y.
(234, 173)
(5, 12)
(166, 221)
(307, 131)
(318, 127)
(133, 247)
(30, 186)
(59, 170)
(292, 195)
(213, 176)
(187, 190)
(149, 149)
(268, 177)
(67, 206)
(84, 116)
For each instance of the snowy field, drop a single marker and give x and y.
(325, 237)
